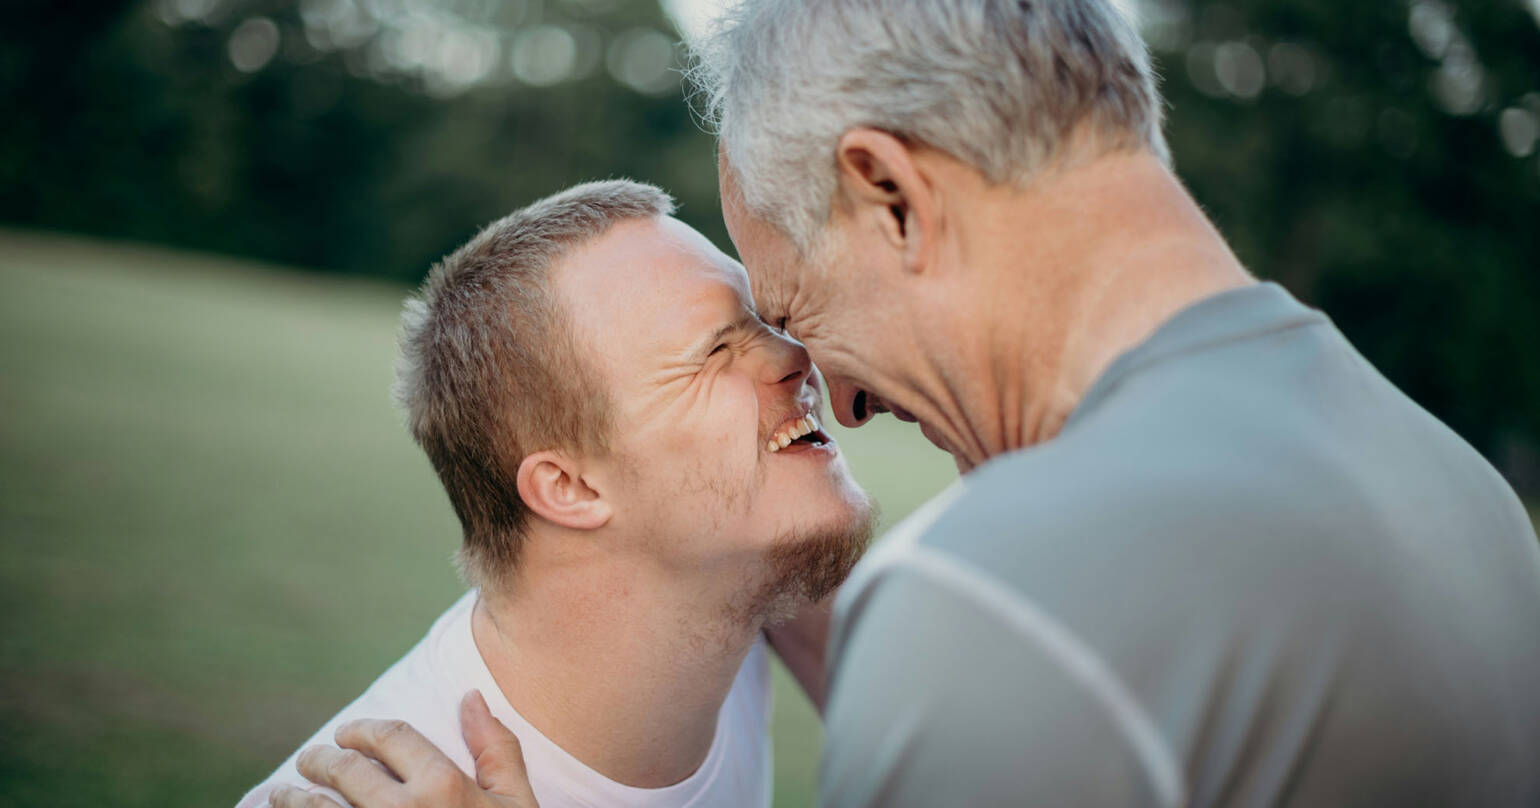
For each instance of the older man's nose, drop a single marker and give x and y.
(852, 406)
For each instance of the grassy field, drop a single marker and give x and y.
(215, 530)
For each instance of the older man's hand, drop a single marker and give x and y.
(388, 764)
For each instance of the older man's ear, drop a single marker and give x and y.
(883, 183)
(553, 485)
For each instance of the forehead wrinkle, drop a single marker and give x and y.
(759, 289)
(767, 304)
(796, 302)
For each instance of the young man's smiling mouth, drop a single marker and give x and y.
(798, 433)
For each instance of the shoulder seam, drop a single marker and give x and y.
(1078, 661)
(1138, 364)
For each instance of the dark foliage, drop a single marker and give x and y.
(1351, 151)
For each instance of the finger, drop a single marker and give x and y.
(360, 780)
(291, 797)
(395, 743)
(499, 758)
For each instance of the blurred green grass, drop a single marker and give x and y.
(216, 531)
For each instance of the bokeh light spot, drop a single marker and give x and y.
(253, 44)
(1519, 129)
(1431, 25)
(1238, 68)
(643, 59)
(1459, 84)
(543, 55)
(1291, 68)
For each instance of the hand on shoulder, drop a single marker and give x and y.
(388, 764)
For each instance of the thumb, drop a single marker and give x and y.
(499, 758)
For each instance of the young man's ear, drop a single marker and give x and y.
(552, 485)
(880, 180)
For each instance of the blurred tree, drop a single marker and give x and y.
(369, 136)
(1379, 159)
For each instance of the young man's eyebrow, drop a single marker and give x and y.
(707, 343)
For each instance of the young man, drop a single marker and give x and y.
(643, 484)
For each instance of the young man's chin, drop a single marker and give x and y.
(806, 566)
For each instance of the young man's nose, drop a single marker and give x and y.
(786, 362)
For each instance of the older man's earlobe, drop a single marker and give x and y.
(552, 485)
(881, 180)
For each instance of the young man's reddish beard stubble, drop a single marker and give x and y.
(807, 566)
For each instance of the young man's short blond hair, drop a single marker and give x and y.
(490, 371)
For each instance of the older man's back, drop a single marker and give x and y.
(1249, 571)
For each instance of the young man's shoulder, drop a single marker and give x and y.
(422, 688)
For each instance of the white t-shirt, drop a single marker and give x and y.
(424, 689)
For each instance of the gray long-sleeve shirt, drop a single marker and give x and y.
(1248, 571)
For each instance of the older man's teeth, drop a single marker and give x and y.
(805, 425)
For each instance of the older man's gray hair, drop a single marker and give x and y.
(1000, 84)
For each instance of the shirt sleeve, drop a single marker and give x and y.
(939, 699)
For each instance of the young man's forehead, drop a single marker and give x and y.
(654, 291)
(661, 252)
(720, 306)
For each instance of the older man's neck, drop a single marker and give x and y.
(626, 675)
(1108, 250)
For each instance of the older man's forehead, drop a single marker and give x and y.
(771, 277)
(767, 293)
(766, 251)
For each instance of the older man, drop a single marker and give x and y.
(643, 484)
(1203, 554)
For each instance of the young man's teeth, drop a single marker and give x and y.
(805, 425)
